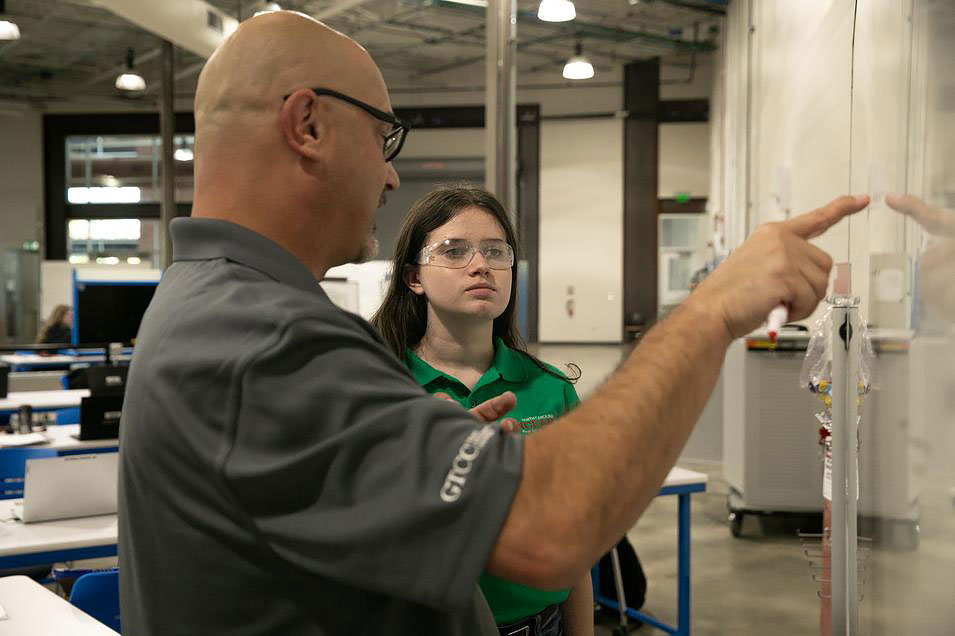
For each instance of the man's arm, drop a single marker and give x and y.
(588, 477)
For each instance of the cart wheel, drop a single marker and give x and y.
(736, 523)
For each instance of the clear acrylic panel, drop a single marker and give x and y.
(902, 251)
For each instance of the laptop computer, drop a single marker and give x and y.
(99, 416)
(69, 486)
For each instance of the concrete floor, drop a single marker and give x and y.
(760, 583)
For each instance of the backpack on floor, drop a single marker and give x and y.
(634, 580)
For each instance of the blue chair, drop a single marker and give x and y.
(97, 594)
(13, 466)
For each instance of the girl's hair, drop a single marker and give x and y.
(56, 317)
(403, 316)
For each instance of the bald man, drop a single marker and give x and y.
(282, 473)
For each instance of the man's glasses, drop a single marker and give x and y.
(458, 253)
(394, 140)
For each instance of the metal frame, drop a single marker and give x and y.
(683, 567)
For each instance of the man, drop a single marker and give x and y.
(281, 471)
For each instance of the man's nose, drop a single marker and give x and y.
(392, 181)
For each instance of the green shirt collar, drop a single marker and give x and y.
(507, 364)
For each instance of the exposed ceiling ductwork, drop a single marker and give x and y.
(71, 50)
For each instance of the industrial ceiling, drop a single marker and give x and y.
(71, 50)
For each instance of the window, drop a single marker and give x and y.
(124, 169)
(113, 241)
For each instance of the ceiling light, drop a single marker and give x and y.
(182, 154)
(556, 11)
(130, 80)
(470, 3)
(578, 67)
(8, 28)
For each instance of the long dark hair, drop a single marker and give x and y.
(54, 321)
(403, 316)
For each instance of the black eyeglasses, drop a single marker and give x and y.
(394, 140)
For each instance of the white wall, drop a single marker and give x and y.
(21, 178)
(581, 225)
(443, 142)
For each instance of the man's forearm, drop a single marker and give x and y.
(589, 476)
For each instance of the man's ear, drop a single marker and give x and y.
(410, 276)
(303, 124)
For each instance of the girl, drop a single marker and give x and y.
(58, 327)
(449, 314)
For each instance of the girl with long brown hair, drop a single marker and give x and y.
(449, 315)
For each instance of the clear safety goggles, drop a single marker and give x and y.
(458, 253)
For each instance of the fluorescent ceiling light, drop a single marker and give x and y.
(182, 154)
(556, 11)
(470, 3)
(105, 229)
(123, 194)
(9, 30)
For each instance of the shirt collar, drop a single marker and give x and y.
(195, 239)
(507, 363)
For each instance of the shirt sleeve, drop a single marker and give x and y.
(350, 471)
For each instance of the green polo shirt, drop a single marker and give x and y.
(541, 398)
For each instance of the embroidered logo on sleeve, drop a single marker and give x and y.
(464, 461)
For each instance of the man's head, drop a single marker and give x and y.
(305, 167)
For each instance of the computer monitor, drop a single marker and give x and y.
(110, 311)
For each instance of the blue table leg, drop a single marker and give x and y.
(683, 540)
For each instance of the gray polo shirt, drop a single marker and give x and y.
(282, 473)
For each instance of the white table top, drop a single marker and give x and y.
(38, 360)
(63, 438)
(43, 399)
(683, 477)
(35, 360)
(17, 537)
(32, 609)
